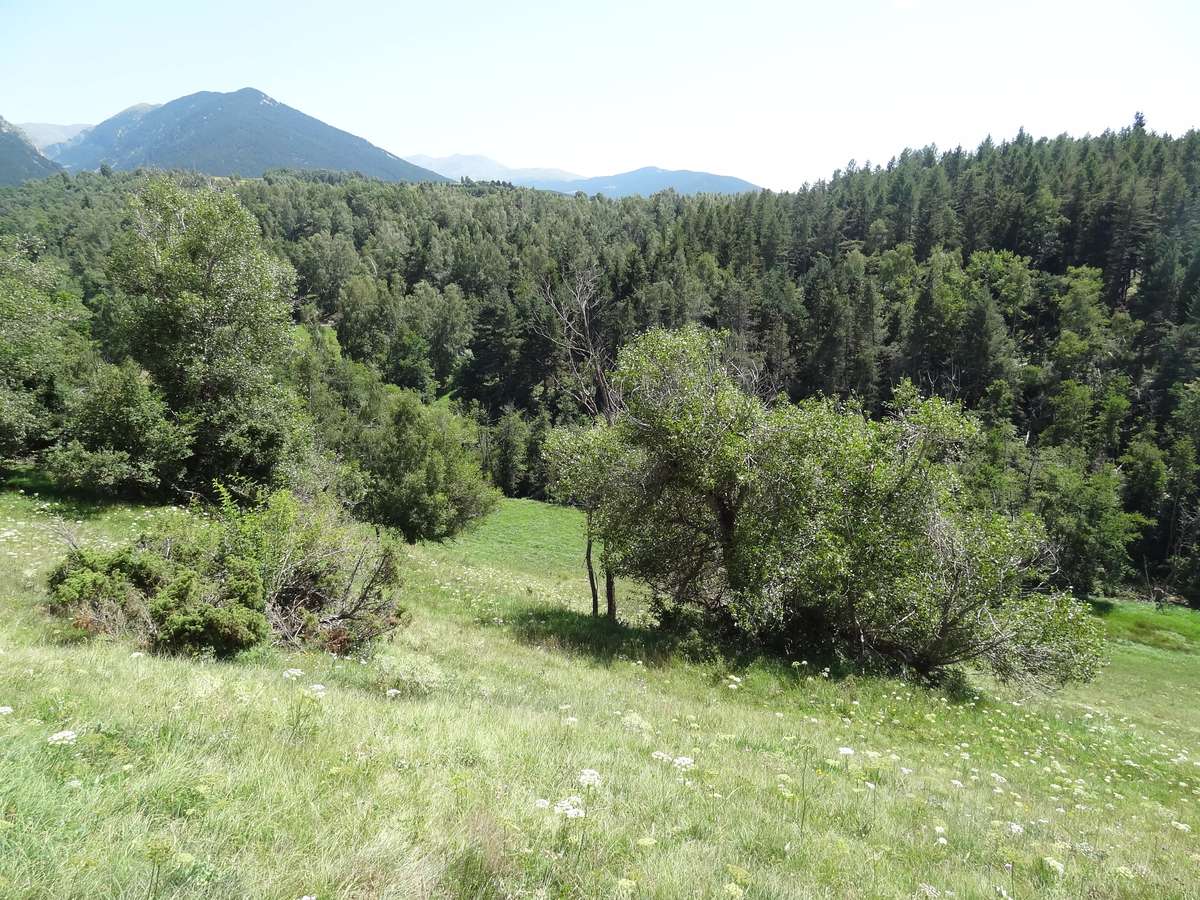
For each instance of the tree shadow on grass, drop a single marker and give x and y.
(577, 633)
(69, 504)
(581, 634)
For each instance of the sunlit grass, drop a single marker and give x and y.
(419, 772)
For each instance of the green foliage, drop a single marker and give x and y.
(39, 335)
(207, 315)
(105, 592)
(413, 466)
(444, 320)
(228, 579)
(192, 615)
(510, 454)
(119, 436)
(1086, 520)
(425, 478)
(812, 522)
(1049, 285)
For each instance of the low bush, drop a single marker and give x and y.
(105, 592)
(224, 579)
(196, 614)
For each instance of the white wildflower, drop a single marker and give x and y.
(1180, 826)
(589, 778)
(1015, 828)
(292, 674)
(683, 762)
(1052, 863)
(846, 751)
(6, 710)
(62, 737)
(393, 692)
(571, 807)
(541, 803)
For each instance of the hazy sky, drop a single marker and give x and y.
(776, 91)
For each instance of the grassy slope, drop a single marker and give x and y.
(200, 779)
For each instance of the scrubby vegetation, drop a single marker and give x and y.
(224, 581)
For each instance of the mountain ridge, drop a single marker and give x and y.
(47, 134)
(645, 180)
(242, 132)
(20, 160)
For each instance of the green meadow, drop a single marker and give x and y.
(505, 745)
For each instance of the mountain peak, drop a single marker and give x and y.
(243, 132)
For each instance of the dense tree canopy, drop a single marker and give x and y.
(1050, 285)
(192, 371)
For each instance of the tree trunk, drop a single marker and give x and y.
(726, 514)
(591, 569)
(610, 593)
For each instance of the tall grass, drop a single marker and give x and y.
(435, 768)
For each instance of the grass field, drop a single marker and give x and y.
(505, 745)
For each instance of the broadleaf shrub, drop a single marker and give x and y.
(119, 436)
(812, 523)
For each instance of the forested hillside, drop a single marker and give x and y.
(19, 159)
(1052, 286)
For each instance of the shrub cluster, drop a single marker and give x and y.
(814, 523)
(223, 580)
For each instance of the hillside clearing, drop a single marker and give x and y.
(506, 745)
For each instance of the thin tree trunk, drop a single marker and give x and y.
(591, 569)
(610, 593)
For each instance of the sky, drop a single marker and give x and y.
(780, 92)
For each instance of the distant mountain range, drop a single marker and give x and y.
(43, 135)
(240, 133)
(19, 159)
(481, 168)
(643, 181)
(248, 133)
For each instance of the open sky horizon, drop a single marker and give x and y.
(779, 93)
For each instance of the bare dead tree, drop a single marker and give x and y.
(587, 354)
